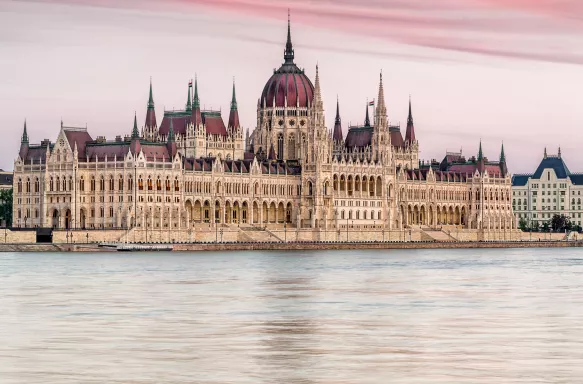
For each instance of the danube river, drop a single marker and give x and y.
(407, 316)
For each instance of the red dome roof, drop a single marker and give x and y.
(288, 81)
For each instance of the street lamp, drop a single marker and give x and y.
(285, 231)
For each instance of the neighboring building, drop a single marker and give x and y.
(5, 184)
(5, 179)
(551, 189)
(292, 170)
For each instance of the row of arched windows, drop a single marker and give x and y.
(356, 215)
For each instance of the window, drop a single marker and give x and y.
(92, 184)
(102, 184)
(120, 183)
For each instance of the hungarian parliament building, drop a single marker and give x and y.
(192, 169)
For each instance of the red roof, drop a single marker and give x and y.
(288, 81)
(396, 138)
(80, 137)
(110, 151)
(214, 125)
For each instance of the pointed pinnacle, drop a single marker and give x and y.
(135, 132)
(151, 98)
(234, 98)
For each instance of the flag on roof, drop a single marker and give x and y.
(371, 103)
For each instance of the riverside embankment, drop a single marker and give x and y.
(281, 246)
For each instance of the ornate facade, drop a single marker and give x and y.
(290, 171)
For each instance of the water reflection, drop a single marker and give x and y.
(480, 316)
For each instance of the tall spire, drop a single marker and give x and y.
(381, 107)
(234, 114)
(545, 154)
(559, 151)
(480, 154)
(503, 166)
(188, 103)
(151, 112)
(233, 98)
(410, 134)
(289, 49)
(196, 101)
(24, 134)
(196, 115)
(151, 99)
(135, 132)
(337, 135)
(367, 119)
(317, 90)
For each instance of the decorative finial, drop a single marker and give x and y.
(289, 50)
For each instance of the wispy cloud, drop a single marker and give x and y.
(545, 30)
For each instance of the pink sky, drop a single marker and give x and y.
(492, 69)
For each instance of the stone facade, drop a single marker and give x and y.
(291, 172)
(551, 189)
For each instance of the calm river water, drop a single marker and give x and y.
(427, 316)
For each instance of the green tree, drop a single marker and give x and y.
(560, 223)
(6, 206)
(522, 224)
(535, 226)
(546, 226)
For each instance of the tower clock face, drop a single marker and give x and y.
(292, 123)
(280, 122)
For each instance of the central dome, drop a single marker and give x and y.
(288, 82)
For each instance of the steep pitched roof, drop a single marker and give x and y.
(78, 136)
(555, 163)
(359, 137)
(520, 180)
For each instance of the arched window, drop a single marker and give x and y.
(280, 146)
(101, 212)
(140, 183)
(36, 185)
(158, 184)
(58, 183)
(120, 183)
(102, 184)
(110, 211)
(168, 184)
(64, 183)
(111, 183)
(27, 185)
(36, 213)
(92, 184)
(291, 147)
(149, 183)
(70, 183)
(130, 183)
(176, 185)
(310, 188)
(342, 215)
(20, 185)
(379, 215)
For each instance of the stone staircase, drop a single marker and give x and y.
(256, 234)
(437, 235)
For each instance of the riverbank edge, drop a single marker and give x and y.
(302, 246)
